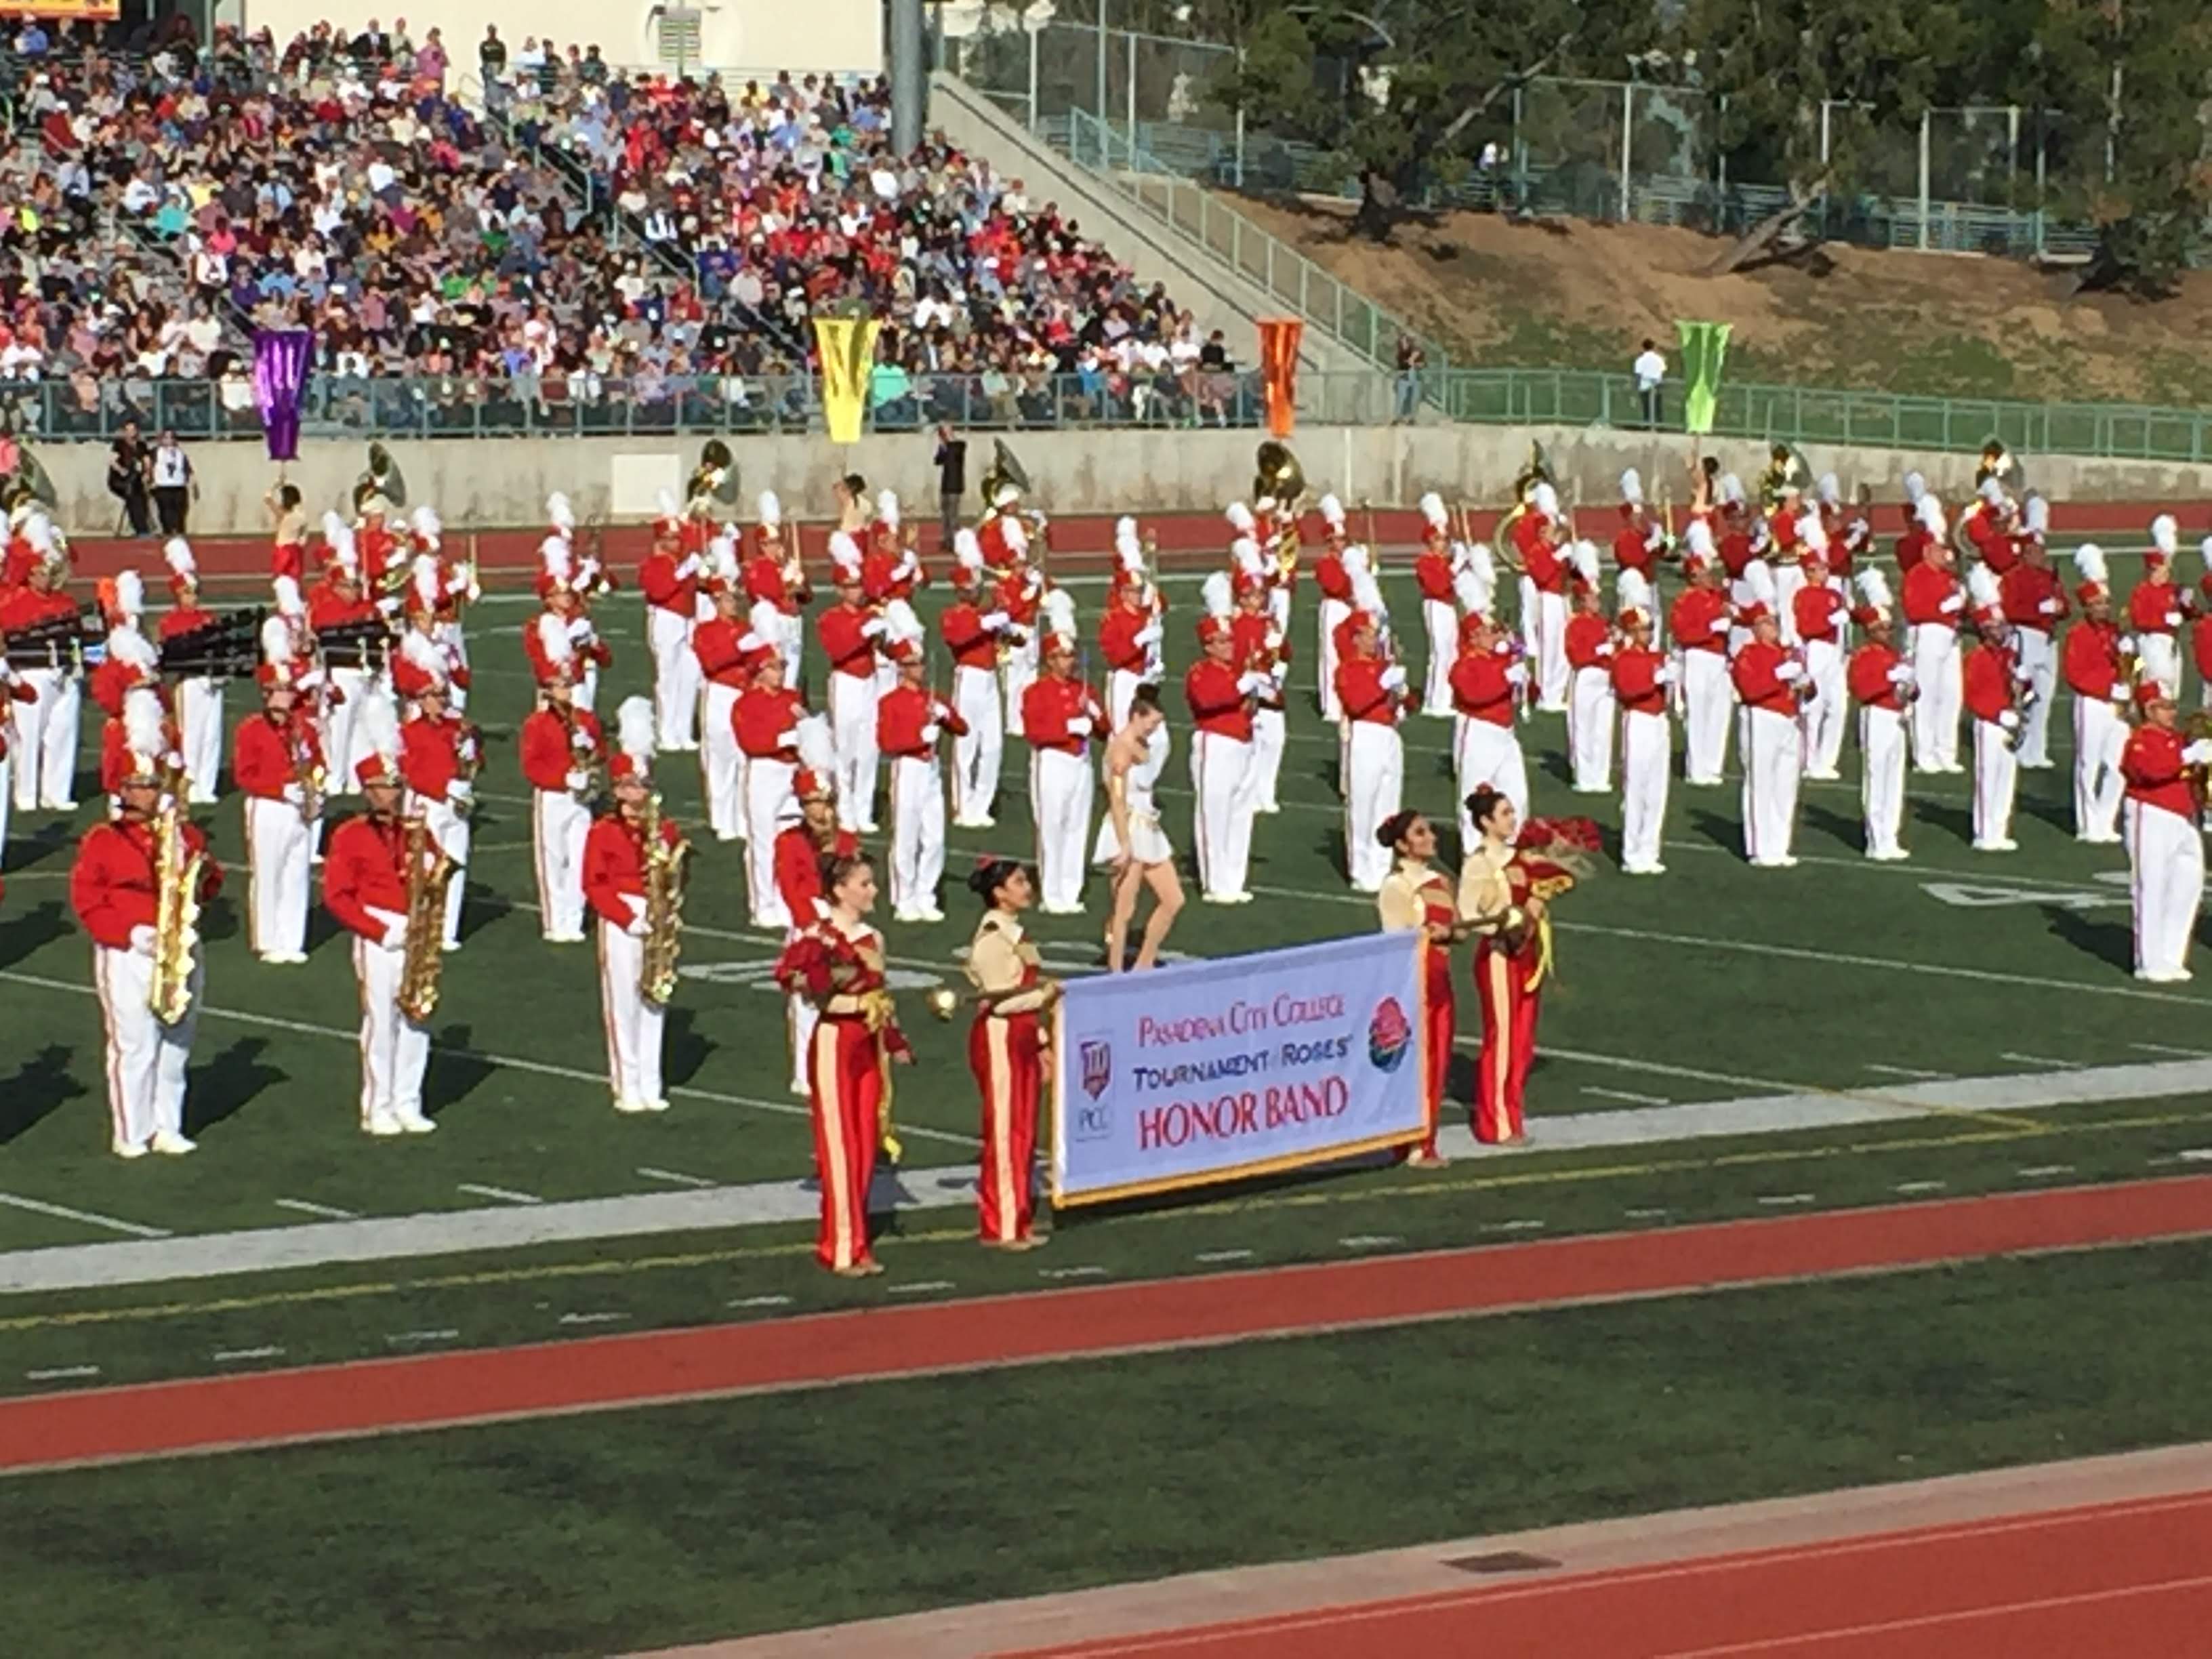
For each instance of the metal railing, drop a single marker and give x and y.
(485, 406)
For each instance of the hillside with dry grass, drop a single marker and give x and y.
(1572, 293)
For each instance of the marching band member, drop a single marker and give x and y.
(45, 722)
(562, 746)
(1992, 692)
(13, 688)
(366, 877)
(338, 601)
(1128, 634)
(1332, 577)
(1540, 538)
(1589, 648)
(1641, 675)
(1849, 532)
(1418, 895)
(1006, 1049)
(1002, 537)
(615, 856)
(2159, 607)
(1059, 717)
(1989, 525)
(837, 964)
(1700, 624)
(1262, 647)
(198, 696)
(669, 577)
(2034, 601)
(1018, 595)
(975, 635)
(774, 576)
(1821, 609)
(456, 587)
(2095, 664)
(288, 520)
(129, 659)
(802, 848)
(1489, 685)
(1881, 683)
(2166, 840)
(1130, 839)
(276, 759)
(772, 727)
(1220, 700)
(1641, 542)
(1786, 559)
(1913, 545)
(849, 631)
(1770, 685)
(380, 550)
(1508, 964)
(891, 567)
(1371, 689)
(563, 582)
(439, 756)
(115, 890)
(1433, 570)
(910, 720)
(1934, 601)
(725, 651)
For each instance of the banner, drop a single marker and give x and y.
(1704, 346)
(1278, 368)
(281, 357)
(1207, 1071)
(848, 345)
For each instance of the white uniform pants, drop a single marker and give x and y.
(675, 677)
(394, 1049)
(1647, 757)
(1278, 606)
(279, 846)
(634, 1026)
(1937, 671)
(1221, 811)
(1590, 710)
(1996, 777)
(200, 720)
(2100, 736)
(1485, 752)
(2161, 654)
(853, 729)
(2166, 865)
(976, 752)
(1333, 613)
(1532, 625)
(7, 793)
(1828, 711)
(342, 711)
(1708, 693)
(801, 1017)
(586, 696)
(1016, 676)
(2039, 666)
(1060, 785)
(1550, 658)
(1773, 757)
(917, 833)
(558, 825)
(1270, 736)
(1881, 778)
(720, 763)
(1443, 624)
(769, 786)
(146, 1059)
(44, 747)
(791, 635)
(1789, 582)
(1121, 690)
(1373, 784)
(449, 829)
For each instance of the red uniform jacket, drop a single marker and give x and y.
(2033, 597)
(798, 861)
(267, 755)
(1332, 578)
(614, 866)
(1989, 681)
(1818, 612)
(2152, 765)
(2154, 606)
(667, 584)
(850, 651)
(2090, 659)
(972, 645)
(22, 607)
(553, 746)
(1481, 688)
(114, 887)
(182, 619)
(1632, 544)
(365, 869)
(598, 651)
(997, 547)
(430, 754)
(1014, 595)
(1932, 595)
(1992, 540)
(1735, 551)
(767, 722)
(1871, 677)
(1636, 684)
(1911, 548)
(1216, 704)
(1757, 671)
(1700, 620)
(724, 659)
(1117, 638)
(1540, 556)
(1589, 641)
(903, 713)
(1049, 706)
(1360, 690)
(327, 608)
(1432, 570)
(764, 580)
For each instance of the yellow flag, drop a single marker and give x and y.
(848, 345)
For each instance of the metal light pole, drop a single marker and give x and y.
(910, 80)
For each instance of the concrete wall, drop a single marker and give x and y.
(503, 482)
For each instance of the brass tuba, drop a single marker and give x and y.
(1282, 480)
(1006, 468)
(382, 477)
(1536, 470)
(1999, 462)
(176, 908)
(664, 871)
(1785, 467)
(424, 952)
(715, 477)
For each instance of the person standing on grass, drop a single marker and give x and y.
(1488, 686)
(1370, 685)
(1641, 675)
(1590, 709)
(1935, 600)
(2159, 608)
(1699, 625)
(1220, 698)
(850, 631)
(1772, 685)
(726, 651)
(1821, 607)
(615, 856)
(1262, 647)
(561, 749)
(952, 463)
(2095, 673)
(1881, 683)
(2035, 604)
(1060, 715)
(1008, 1048)
(1649, 369)
(2166, 840)
(277, 760)
(440, 755)
(911, 722)
(1994, 687)
(802, 848)
(837, 964)
(1435, 568)
(669, 579)
(1418, 895)
(1130, 839)
(1508, 921)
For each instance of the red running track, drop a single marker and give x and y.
(207, 1414)
(2132, 1578)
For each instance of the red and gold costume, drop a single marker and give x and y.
(1006, 1052)
(1415, 896)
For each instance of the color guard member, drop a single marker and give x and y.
(1008, 1051)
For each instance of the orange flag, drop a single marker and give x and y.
(1279, 367)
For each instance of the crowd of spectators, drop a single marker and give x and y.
(541, 237)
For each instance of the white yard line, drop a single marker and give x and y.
(1915, 1071)
(2035, 1060)
(40, 1207)
(675, 1176)
(2168, 1048)
(326, 1212)
(1623, 1094)
(506, 1193)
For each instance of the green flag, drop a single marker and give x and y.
(1705, 347)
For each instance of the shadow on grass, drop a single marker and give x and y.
(455, 1071)
(1721, 831)
(684, 1048)
(481, 908)
(23, 936)
(1956, 821)
(40, 1086)
(1848, 827)
(2113, 942)
(224, 1086)
(32, 850)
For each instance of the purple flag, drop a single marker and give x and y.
(280, 375)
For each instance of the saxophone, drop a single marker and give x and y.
(176, 909)
(428, 870)
(309, 773)
(663, 907)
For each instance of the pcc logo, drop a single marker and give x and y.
(1390, 1034)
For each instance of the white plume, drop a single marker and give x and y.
(1981, 588)
(2036, 512)
(276, 640)
(1218, 593)
(423, 577)
(176, 553)
(633, 730)
(1915, 486)
(1583, 556)
(967, 551)
(1632, 592)
(900, 624)
(1929, 512)
(1873, 588)
(844, 554)
(2089, 562)
(771, 510)
(555, 556)
(288, 602)
(130, 593)
(1813, 533)
(665, 499)
(1545, 499)
(424, 652)
(1731, 487)
(1059, 608)
(1631, 487)
(887, 507)
(1474, 587)
(1367, 595)
(379, 724)
(143, 727)
(1831, 491)
(127, 644)
(1355, 558)
(427, 526)
(1240, 518)
(1698, 538)
(1246, 552)
(1433, 510)
(817, 749)
(2165, 534)
(339, 535)
(1332, 511)
(562, 515)
(1759, 579)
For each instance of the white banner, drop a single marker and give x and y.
(1237, 1065)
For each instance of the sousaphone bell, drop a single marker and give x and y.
(382, 477)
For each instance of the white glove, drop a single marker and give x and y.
(142, 940)
(1149, 635)
(1280, 675)
(1251, 682)
(929, 732)
(2127, 645)
(1901, 675)
(788, 740)
(2008, 721)
(1788, 670)
(2119, 696)
(996, 621)
(459, 789)
(1393, 678)
(2052, 607)
(1517, 675)
(1956, 601)
(1080, 726)
(580, 630)
(295, 794)
(2198, 753)
(872, 628)
(579, 778)
(690, 567)
(637, 928)
(1605, 649)
(1275, 639)
(588, 572)
(2173, 619)
(395, 933)
(581, 742)
(1663, 675)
